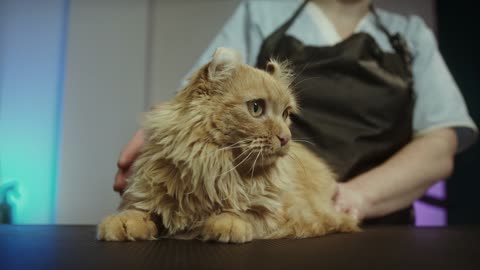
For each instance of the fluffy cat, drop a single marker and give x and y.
(218, 164)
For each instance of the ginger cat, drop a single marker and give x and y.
(218, 164)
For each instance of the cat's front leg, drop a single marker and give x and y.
(227, 228)
(127, 225)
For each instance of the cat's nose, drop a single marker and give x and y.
(283, 139)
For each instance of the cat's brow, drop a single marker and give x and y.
(255, 95)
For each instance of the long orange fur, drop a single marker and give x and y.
(212, 171)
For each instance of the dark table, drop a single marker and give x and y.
(75, 247)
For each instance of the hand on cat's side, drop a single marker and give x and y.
(349, 201)
(126, 159)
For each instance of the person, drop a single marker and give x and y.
(378, 102)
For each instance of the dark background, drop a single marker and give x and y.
(459, 42)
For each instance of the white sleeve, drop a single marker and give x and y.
(439, 103)
(240, 33)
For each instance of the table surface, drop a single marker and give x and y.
(75, 247)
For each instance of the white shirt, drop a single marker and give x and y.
(439, 103)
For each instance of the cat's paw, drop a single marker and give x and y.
(227, 228)
(349, 224)
(128, 225)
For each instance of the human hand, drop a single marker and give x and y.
(349, 201)
(126, 159)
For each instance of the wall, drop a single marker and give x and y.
(180, 32)
(104, 95)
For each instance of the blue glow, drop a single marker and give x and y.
(60, 97)
(32, 37)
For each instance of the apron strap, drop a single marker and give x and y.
(284, 28)
(271, 42)
(397, 42)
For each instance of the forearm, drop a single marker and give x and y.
(407, 175)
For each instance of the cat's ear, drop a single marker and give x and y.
(223, 63)
(280, 71)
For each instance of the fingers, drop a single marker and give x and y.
(337, 198)
(354, 213)
(126, 159)
(131, 151)
(346, 201)
(336, 193)
(349, 210)
(120, 181)
(339, 207)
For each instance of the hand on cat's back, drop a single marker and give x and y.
(126, 159)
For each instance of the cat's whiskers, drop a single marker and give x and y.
(253, 166)
(241, 162)
(265, 174)
(262, 160)
(296, 159)
(302, 81)
(262, 157)
(241, 154)
(297, 75)
(296, 140)
(229, 148)
(234, 145)
(314, 137)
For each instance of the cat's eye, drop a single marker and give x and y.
(286, 113)
(256, 107)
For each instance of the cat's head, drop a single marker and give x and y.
(248, 108)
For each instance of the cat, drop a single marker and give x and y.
(219, 164)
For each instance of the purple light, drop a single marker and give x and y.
(428, 215)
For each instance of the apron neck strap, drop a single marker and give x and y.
(284, 28)
(378, 21)
(270, 43)
(397, 41)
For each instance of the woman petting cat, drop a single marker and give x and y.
(378, 102)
